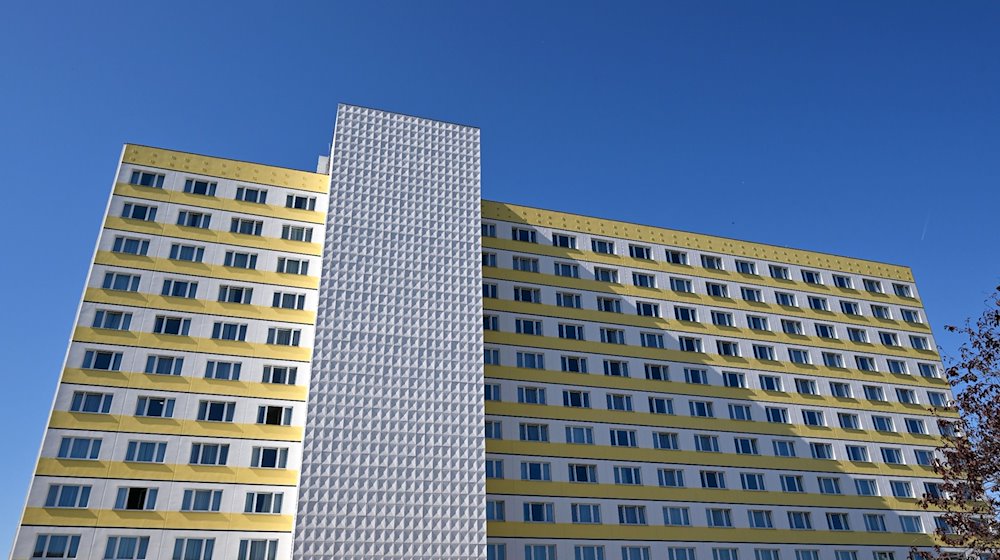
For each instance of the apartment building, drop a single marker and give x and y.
(373, 362)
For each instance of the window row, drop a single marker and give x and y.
(498, 551)
(156, 406)
(208, 187)
(144, 498)
(137, 548)
(151, 451)
(180, 325)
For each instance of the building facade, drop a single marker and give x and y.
(270, 363)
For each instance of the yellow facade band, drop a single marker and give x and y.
(214, 203)
(658, 533)
(184, 384)
(226, 168)
(699, 458)
(172, 426)
(206, 270)
(690, 298)
(178, 343)
(162, 520)
(76, 468)
(712, 244)
(214, 236)
(700, 496)
(705, 359)
(694, 273)
(739, 427)
(688, 327)
(200, 306)
(707, 391)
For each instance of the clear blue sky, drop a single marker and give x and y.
(857, 128)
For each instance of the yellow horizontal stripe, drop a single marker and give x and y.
(705, 391)
(688, 298)
(184, 384)
(674, 238)
(670, 457)
(192, 344)
(226, 168)
(215, 203)
(688, 327)
(214, 236)
(698, 358)
(206, 270)
(174, 473)
(695, 272)
(601, 416)
(201, 306)
(166, 520)
(496, 487)
(616, 532)
(172, 426)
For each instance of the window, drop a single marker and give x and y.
(866, 487)
(127, 548)
(632, 515)
(811, 277)
(130, 246)
(665, 440)
(258, 549)
(686, 314)
(746, 267)
(98, 359)
(198, 186)
(620, 402)
(561, 269)
(223, 370)
(849, 421)
(841, 390)
(274, 415)
(757, 323)
(258, 196)
(579, 434)
(525, 264)
(122, 282)
(923, 457)
(491, 323)
(937, 399)
(829, 485)
(881, 312)
(813, 418)
(605, 275)
(209, 454)
(138, 499)
(681, 285)
(800, 520)
(744, 446)
(714, 263)
(493, 429)
(776, 415)
(140, 212)
(821, 450)
(565, 299)
(928, 370)
(717, 290)
(791, 483)
(676, 257)
(282, 300)
(740, 412)
(825, 331)
(291, 266)
(671, 478)
(857, 335)
(906, 396)
(702, 409)
(178, 326)
(562, 240)
(858, 453)
(179, 288)
(760, 519)
(734, 379)
(751, 294)
(911, 524)
(837, 522)
(791, 327)
(901, 488)
(696, 376)
(706, 443)
(199, 220)
(770, 383)
(539, 513)
(727, 348)
(623, 438)
(297, 202)
(236, 259)
(528, 326)
(494, 468)
(534, 432)
(919, 343)
(491, 392)
(657, 372)
(146, 179)
(586, 513)
(897, 366)
(888, 338)
(615, 368)
(874, 522)
(713, 479)
(892, 455)
(865, 363)
(94, 403)
(640, 252)
(635, 553)
(784, 448)
(689, 344)
(582, 473)
(883, 423)
(873, 286)
(786, 299)
(843, 282)
(725, 554)
(806, 387)
(833, 360)
(216, 411)
(79, 448)
(203, 500)
(910, 315)
(527, 295)
(609, 305)
(279, 375)
(628, 475)
(263, 502)
(489, 230)
(246, 226)
(646, 309)
(602, 246)
(495, 510)
(67, 496)
(523, 235)
(818, 304)
(643, 280)
(612, 336)
(718, 517)
(722, 318)
(114, 320)
(752, 481)
(297, 233)
(194, 549)
(269, 457)
(765, 554)
(902, 290)
(573, 364)
(229, 331)
(531, 395)
(539, 552)
(155, 407)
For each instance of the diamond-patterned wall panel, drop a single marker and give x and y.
(393, 455)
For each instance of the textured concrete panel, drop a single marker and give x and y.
(393, 459)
